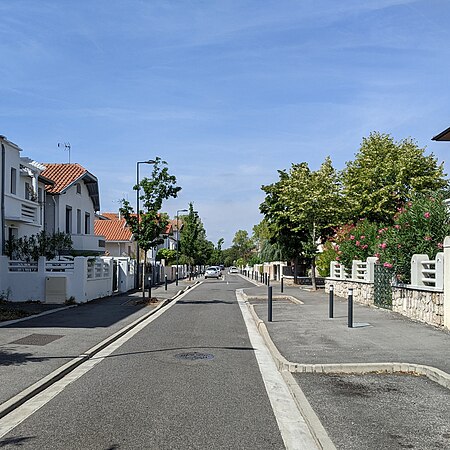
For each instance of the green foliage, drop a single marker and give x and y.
(149, 229)
(356, 242)
(324, 259)
(384, 176)
(419, 228)
(243, 246)
(30, 248)
(168, 255)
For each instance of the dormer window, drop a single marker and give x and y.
(78, 188)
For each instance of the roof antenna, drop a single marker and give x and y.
(66, 147)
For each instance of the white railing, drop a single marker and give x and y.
(22, 266)
(56, 265)
(426, 272)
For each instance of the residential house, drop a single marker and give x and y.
(118, 237)
(442, 136)
(23, 186)
(71, 204)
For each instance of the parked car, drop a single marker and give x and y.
(233, 269)
(213, 272)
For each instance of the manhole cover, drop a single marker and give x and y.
(37, 339)
(192, 356)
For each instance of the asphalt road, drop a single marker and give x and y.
(189, 380)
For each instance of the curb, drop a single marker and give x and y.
(432, 373)
(61, 372)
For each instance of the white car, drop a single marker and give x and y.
(213, 272)
(233, 269)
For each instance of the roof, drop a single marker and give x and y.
(66, 175)
(443, 136)
(113, 229)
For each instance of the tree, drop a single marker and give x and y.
(243, 246)
(384, 176)
(148, 225)
(194, 247)
(314, 203)
(281, 229)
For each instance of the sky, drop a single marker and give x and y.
(226, 91)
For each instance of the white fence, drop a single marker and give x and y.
(425, 273)
(81, 279)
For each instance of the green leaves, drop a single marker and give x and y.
(148, 230)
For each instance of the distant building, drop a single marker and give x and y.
(118, 237)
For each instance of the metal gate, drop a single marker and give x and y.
(115, 278)
(382, 287)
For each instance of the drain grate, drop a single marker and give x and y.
(193, 356)
(37, 339)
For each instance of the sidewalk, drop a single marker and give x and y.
(304, 334)
(32, 348)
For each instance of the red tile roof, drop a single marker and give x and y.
(114, 229)
(63, 175)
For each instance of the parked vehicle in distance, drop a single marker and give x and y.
(212, 272)
(233, 269)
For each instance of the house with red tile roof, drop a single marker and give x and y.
(118, 237)
(71, 204)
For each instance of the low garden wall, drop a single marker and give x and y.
(421, 304)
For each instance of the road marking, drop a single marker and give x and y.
(292, 425)
(16, 417)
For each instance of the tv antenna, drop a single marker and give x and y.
(66, 146)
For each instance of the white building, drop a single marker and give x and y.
(71, 204)
(22, 193)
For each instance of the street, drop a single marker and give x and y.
(187, 379)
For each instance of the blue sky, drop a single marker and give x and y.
(226, 91)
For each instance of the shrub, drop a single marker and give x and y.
(419, 228)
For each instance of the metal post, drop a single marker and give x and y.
(350, 308)
(150, 288)
(269, 312)
(331, 303)
(282, 284)
(165, 282)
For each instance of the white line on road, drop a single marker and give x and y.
(13, 419)
(294, 430)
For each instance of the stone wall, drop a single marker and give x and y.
(422, 305)
(419, 304)
(362, 290)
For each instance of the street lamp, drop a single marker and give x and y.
(178, 237)
(150, 161)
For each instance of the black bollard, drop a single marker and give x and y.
(150, 288)
(165, 282)
(350, 308)
(269, 298)
(176, 278)
(282, 284)
(331, 303)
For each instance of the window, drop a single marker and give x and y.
(78, 188)
(78, 221)
(40, 195)
(68, 220)
(27, 191)
(87, 223)
(13, 180)
(13, 233)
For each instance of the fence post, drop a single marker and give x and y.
(416, 269)
(447, 282)
(370, 274)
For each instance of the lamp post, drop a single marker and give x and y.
(178, 238)
(150, 161)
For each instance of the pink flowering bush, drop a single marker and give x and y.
(356, 241)
(420, 227)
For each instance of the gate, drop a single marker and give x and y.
(382, 286)
(115, 278)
